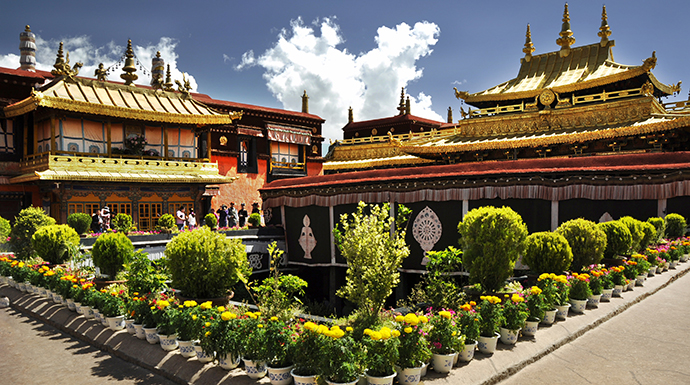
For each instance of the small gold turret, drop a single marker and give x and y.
(529, 47)
(401, 106)
(566, 39)
(129, 76)
(350, 117)
(305, 102)
(59, 62)
(604, 30)
(450, 115)
(407, 106)
(168, 85)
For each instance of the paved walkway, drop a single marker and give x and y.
(647, 344)
(32, 352)
(639, 337)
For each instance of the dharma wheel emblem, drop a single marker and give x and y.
(306, 238)
(547, 97)
(426, 230)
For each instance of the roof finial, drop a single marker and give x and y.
(350, 117)
(407, 106)
(27, 49)
(566, 39)
(305, 102)
(450, 115)
(529, 47)
(129, 76)
(401, 106)
(168, 85)
(604, 30)
(157, 71)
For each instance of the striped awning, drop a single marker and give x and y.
(285, 134)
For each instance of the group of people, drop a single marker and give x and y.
(100, 220)
(183, 219)
(231, 217)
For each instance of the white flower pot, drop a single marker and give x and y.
(151, 335)
(372, 380)
(304, 380)
(228, 362)
(87, 311)
(606, 295)
(562, 312)
(201, 355)
(631, 284)
(408, 376)
(531, 327)
(186, 348)
(116, 323)
(639, 280)
(168, 341)
(673, 264)
(467, 353)
(279, 376)
(509, 336)
(139, 331)
(71, 305)
(652, 271)
(77, 307)
(341, 383)
(593, 300)
(618, 290)
(549, 317)
(129, 326)
(487, 345)
(96, 315)
(443, 363)
(578, 305)
(254, 369)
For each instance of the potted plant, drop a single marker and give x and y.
(221, 335)
(441, 287)
(491, 240)
(307, 353)
(25, 225)
(279, 346)
(166, 224)
(587, 241)
(675, 225)
(110, 252)
(618, 239)
(53, 243)
(536, 306)
(142, 276)
(596, 284)
(122, 223)
(607, 284)
(188, 328)
(112, 307)
(381, 348)
(469, 321)
(618, 279)
(342, 356)
(139, 309)
(254, 220)
(490, 311)
(165, 314)
(80, 222)
(205, 265)
(547, 252)
(579, 291)
(254, 352)
(444, 341)
(414, 349)
(515, 313)
(555, 290)
(642, 268)
(211, 221)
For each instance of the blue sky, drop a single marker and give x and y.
(354, 53)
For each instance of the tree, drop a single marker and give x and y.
(25, 225)
(587, 241)
(373, 243)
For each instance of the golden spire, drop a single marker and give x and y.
(529, 47)
(168, 85)
(566, 39)
(129, 76)
(407, 106)
(450, 115)
(59, 62)
(604, 30)
(401, 106)
(350, 117)
(305, 102)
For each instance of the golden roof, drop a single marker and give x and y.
(584, 67)
(119, 101)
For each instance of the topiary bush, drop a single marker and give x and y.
(211, 221)
(650, 235)
(110, 252)
(54, 243)
(491, 239)
(254, 220)
(547, 252)
(618, 238)
(5, 229)
(80, 222)
(586, 240)
(660, 226)
(206, 264)
(25, 225)
(122, 223)
(675, 226)
(166, 223)
(636, 231)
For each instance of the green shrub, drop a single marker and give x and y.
(586, 240)
(650, 235)
(80, 222)
(25, 225)
(211, 221)
(660, 226)
(206, 264)
(491, 239)
(110, 252)
(441, 289)
(675, 226)
(5, 229)
(254, 220)
(54, 243)
(122, 223)
(636, 231)
(547, 252)
(142, 276)
(166, 223)
(618, 238)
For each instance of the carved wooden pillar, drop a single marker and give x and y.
(165, 142)
(109, 148)
(52, 133)
(208, 144)
(35, 135)
(26, 135)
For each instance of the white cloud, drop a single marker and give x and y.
(336, 79)
(227, 58)
(81, 49)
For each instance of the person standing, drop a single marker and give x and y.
(242, 214)
(180, 218)
(191, 219)
(222, 216)
(105, 218)
(232, 215)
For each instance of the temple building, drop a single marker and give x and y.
(74, 144)
(574, 134)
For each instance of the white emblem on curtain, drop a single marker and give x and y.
(426, 230)
(306, 238)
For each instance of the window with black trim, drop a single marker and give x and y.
(247, 158)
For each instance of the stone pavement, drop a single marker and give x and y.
(507, 360)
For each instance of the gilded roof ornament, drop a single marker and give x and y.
(184, 87)
(350, 117)
(305, 102)
(650, 62)
(604, 30)
(129, 76)
(529, 47)
(566, 39)
(168, 85)
(62, 66)
(100, 73)
(461, 94)
(401, 106)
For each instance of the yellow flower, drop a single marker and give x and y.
(517, 299)
(194, 317)
(423, 319)
(163, 304)
(375, 336)
(445, 314)
(207, 324)
(274, 318)
(535, 290)
(408, 330)
(322, 329)
(206, 305)
(395, 333)
(221, 309)
(207, 334)
(260, 325)
(367, 331)
(399, 318)
(348, 329)
(411, 319)
(310, 326)
(385, 333)
(227, 316)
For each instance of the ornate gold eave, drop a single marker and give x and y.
(96, 176)
(545, 139)
(375, 163)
